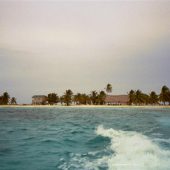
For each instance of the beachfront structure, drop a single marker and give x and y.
(117, 99)
(39, 99)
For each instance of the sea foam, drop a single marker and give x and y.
(134, 151)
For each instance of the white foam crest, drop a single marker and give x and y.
(133, 150)
(162, 140)
(78, 162)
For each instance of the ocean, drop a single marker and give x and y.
(84, 138)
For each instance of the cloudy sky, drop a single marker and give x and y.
(50, 46)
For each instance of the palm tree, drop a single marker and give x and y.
(109, 88)
(164, 95)
(53, 98)
(6, 98)
(168, 97)
(131, 97)
(101, 97)
(93, 97)
(138, 97)
(145, 98)
(13, 101)
(84, 99)
(77, 98)
(68, 97)
(153, 98)
(1, 100)
(61, 99)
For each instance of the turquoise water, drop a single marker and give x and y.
(84, 139)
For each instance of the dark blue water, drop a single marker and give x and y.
(84, 138)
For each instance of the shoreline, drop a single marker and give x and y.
(82, 106)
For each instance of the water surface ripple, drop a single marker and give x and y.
(84, 138)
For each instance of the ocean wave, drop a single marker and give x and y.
(125, 150)
(162, 140)
(5, 150)
(98, 141)
(83, 162)
(133, 150)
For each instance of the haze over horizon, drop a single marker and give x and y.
(48, 46)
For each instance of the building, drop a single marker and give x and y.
(39, 99)
(117, 99)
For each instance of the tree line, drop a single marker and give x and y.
(5, 99)
(136, 97)
(139, 98)
(95, 98)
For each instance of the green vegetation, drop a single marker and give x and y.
(67, 97)
(5, 99)
(13, 101)
(165, 95)
(153, 98)
(109, 88)
(53, 98)
(132, 96)
(101, 98)
(140, 98)
(81, 99)
(93, 97)
(136, 97)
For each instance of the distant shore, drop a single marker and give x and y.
(84, 106)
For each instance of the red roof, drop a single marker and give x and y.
(117, 99)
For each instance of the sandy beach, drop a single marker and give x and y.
(82, 106)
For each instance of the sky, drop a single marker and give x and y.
(50, 46)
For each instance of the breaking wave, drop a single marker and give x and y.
(132, 150)
(125, 151)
